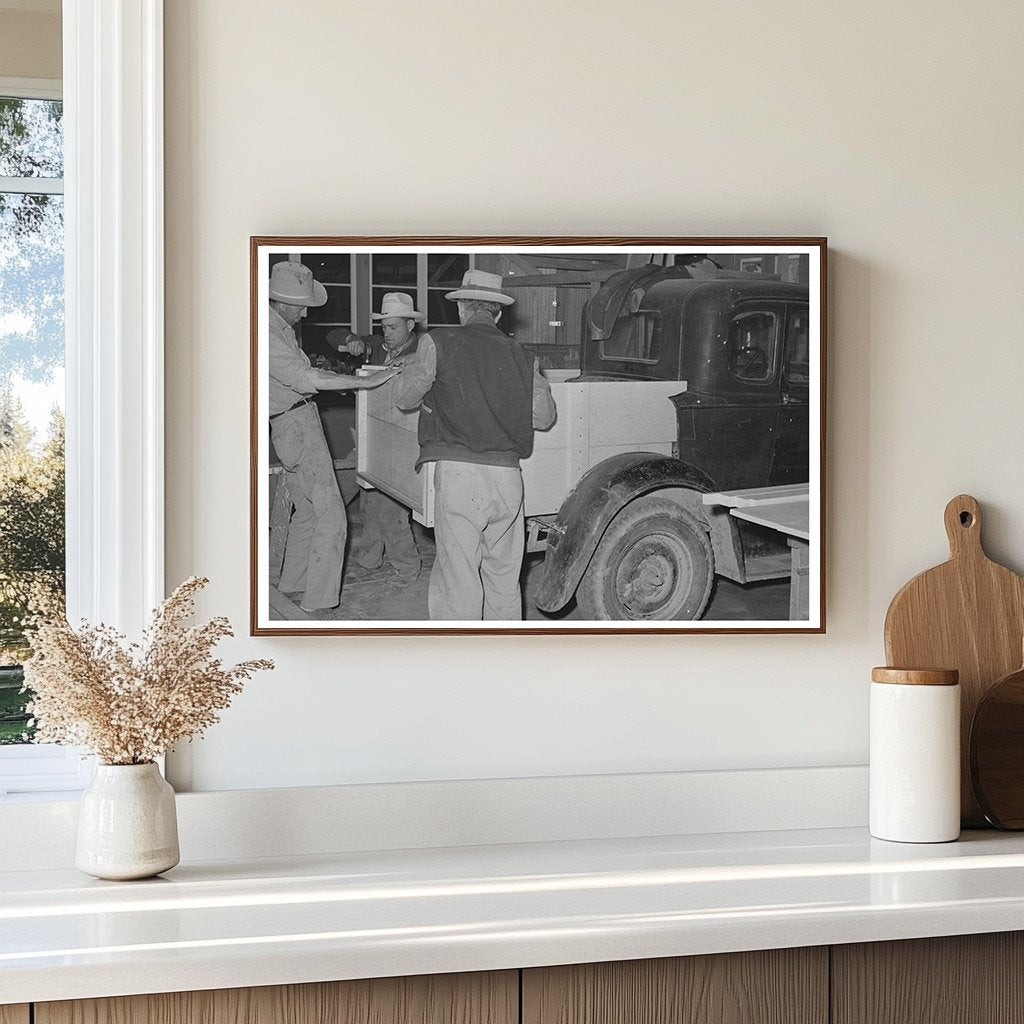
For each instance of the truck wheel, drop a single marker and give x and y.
(653, 562)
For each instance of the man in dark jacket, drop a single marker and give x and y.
(481, 396)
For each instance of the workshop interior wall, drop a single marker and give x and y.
(893, 129)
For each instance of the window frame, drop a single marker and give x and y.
(778, 320)
(422, 289)
(112, 90)
(352, 295)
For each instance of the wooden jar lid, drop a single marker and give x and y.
(916, 676)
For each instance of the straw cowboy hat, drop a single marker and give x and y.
(400, 305)
(478, 284)
(293, 283)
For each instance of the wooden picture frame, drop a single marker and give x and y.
(690, 395)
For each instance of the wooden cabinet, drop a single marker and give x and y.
(778, 986)
(962, 979)
(491, 998)
(967, 979)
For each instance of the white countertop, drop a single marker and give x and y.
(226, 924)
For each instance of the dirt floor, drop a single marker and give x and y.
(378, 594)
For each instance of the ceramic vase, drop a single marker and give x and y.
(127, 825)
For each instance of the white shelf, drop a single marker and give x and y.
(386, 913)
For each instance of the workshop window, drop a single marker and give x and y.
(392, 272)
(753, 339)
(444, 274)
(335, 271)
(425, 277)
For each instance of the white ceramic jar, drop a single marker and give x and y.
(127, 823)
(915, 755)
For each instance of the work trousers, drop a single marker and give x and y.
(480, 538)
(315, 548)
(387, 531)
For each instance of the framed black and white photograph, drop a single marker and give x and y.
(537, 435)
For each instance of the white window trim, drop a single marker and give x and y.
(114, 324)
(32, 88)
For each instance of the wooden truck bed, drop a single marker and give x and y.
(595, 419)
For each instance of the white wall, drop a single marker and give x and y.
(894, 129)
(30, 41)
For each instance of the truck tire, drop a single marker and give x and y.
(653, 562)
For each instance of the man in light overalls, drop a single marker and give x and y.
(315, 548)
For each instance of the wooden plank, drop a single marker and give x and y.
(781, 986)
(280, 517)
(14, 1014)
(791, 518)
(562, 279)
(962, 979)
(637, 413)
(481, 998)
(595, 419)
(799, 580)
(391, 454)
(751, 496)
(567, 261)
(284, 608)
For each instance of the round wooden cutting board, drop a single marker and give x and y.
(997, 752)
(967, 614)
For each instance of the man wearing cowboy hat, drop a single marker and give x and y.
(398, 321)
(315, 547)
(387, 529)
(481, 396)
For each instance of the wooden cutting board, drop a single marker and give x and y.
(997, 752)
(967, 614)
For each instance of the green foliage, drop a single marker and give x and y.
(31, 525)
(31, 138)
(14, 727)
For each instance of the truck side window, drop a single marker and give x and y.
(797, 360)
(635, 338)
(753, 338)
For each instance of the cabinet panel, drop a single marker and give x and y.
(14, 1014)
(779, 986)
(482, 998)
(961, 979)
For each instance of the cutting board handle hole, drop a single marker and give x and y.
(966, 519)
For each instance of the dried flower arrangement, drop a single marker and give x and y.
(129, 704)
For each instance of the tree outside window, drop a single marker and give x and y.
(32, 546)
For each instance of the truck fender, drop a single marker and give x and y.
(593, 503)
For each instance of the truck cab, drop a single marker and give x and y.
(635, 539)
(741, 346)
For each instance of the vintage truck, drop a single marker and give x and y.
(688, 389)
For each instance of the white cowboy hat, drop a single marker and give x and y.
(398, 304)
(293, 283)
(478, 284)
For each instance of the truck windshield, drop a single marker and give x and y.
(634, 339)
